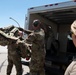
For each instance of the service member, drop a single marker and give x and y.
(37, 39)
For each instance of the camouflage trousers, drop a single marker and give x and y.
(17, 64)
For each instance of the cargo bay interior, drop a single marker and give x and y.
(60, 21)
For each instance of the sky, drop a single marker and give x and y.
(17, 9)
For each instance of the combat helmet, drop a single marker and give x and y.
(36, 23)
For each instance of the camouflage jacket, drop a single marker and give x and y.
(15, 45)
(36, 38)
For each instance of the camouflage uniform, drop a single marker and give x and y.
(14, 58)
(51, 44)
(15, 52)
(36, 38)
(49, 37)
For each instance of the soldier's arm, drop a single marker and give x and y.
(25, 31)
(4, 38)
(7, 29)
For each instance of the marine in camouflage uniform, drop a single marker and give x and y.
(15, 51)
(51, 43)
(36, 38)
(14, 58)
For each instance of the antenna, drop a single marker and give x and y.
(15, 21)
